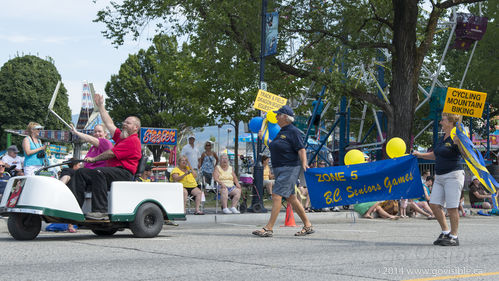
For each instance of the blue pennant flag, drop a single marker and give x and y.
(475, 161)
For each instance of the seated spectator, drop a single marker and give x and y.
(424, 175)
(268, 177)
(367, 210)
(479, 197)
(421, 205)
(4, 178)
(11, 158)
(228, 184)
(184, 174)
(146, 175)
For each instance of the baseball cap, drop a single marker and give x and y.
(285, 109)
(13, 148)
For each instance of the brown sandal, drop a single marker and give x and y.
(263, 233)
(305, 231)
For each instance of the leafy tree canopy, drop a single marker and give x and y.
(321, 41)
(159, 85)
(26, 87)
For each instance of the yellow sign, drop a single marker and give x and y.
(464, 102)
(266, 101)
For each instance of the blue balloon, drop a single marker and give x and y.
(273, 130)
(255, 124)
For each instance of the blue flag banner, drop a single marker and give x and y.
(393, 179)
(475, 162)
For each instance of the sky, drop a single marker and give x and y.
(64, 31)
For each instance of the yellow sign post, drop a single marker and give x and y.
(464, 102)
(266, 101)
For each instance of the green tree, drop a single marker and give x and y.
(336, 36)
(231, 75)
(158, 86)
(26, 87)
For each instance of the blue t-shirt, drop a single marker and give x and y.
(285, 146)
(319, 108)
(447, 156)
(3, 182)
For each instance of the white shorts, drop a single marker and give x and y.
(447, 189)
(30, 170)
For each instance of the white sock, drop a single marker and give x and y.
(452, 236)
(446, 232)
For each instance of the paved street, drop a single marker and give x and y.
(341, 249)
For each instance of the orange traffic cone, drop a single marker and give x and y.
(290, 217)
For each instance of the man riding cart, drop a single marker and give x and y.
(140, 206)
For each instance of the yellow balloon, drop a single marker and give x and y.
(354, 156)
(271, 117)
(395, 147)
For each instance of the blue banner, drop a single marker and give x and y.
(157, 136)
(393, 179)
(272, 20)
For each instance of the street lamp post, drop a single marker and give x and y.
(257, 199)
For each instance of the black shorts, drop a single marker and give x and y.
(316, 120)
(189, 190)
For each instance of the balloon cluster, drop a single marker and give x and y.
(394, 148)
(271, 129)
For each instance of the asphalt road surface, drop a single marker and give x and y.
(339, 250)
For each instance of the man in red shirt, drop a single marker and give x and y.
(122, 161)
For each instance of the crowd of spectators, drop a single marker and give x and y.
(196, 170)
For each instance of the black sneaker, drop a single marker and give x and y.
(449, 241)
(440, 238)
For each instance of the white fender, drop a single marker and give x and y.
(44, 196)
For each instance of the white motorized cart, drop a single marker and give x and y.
(141, 206)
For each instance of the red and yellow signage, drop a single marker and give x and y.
(157, 136)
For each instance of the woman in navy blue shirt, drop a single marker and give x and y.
(449, 180)
(288, 157)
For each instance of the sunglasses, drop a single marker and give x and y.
(2, 166)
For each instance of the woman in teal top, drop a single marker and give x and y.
(32, 146)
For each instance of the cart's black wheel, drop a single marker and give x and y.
(104, 232)
(24, 226)
(148, 221)
(346, 207)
